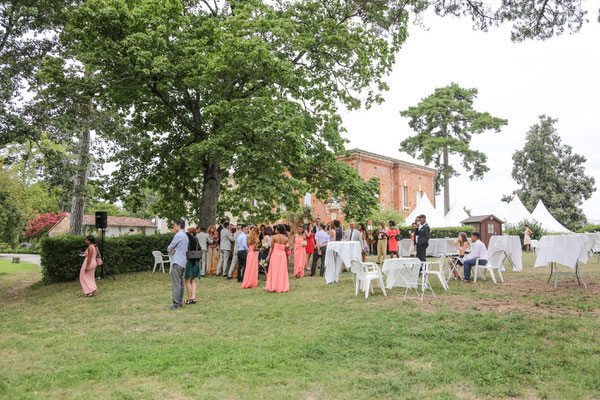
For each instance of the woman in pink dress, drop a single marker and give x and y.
(88, 268)
(299, 253)
(251, 271)
(277, 277)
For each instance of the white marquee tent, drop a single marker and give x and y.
(434, 217)
(516, 212)
(456, 215)
(546, 220)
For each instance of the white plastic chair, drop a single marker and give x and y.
(365, 273)
(159, 259)
(437, 268)
(494, 262)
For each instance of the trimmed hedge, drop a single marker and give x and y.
(590, 228)
(61, 260)
(440, 233)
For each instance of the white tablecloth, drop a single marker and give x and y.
(437, 247)
(406, 247)
(593, 241)
(509, 244)
(562, 249)
(338, 252)
(397, 271)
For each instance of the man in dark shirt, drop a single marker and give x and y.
(422, 238)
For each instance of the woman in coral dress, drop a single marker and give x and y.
(88, 268)
(277, 277)
(251, 271)
(309, 236)
(299, 253)
(392, 232)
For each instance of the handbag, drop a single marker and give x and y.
(98, 258)
(194, 254)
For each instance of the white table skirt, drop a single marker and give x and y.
(567, 250)
(395, 270)
(338, 252)
(436, 247)
(511, 245)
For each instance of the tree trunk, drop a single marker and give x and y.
(211, 191)
(446, 179)
(78, 204)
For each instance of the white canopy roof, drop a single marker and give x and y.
(546, 220)
(434, 217)
(516, 212)
(456, 215)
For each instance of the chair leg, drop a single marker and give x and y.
(475, 268)
(367, 288)
(493, 275)
(382, 286)
(154, 269)
(500, 275)
(356, 286)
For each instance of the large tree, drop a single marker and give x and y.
(234, 104)
(13, 207)
(445, 123)
(548, 170)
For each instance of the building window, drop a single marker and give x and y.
(419, 195)
(307, 199)
(491, 228)
(404, 197)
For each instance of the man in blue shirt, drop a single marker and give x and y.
(178, 249)
(242, 252)
(321, 240)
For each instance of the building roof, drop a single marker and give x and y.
(479, 218)
(392, 160)
(115, 221)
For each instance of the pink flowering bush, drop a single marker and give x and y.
(41, 224)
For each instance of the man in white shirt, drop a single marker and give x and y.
(478, 252)
(352, 235)
(234, 257)
(202, 237)
(321, 240)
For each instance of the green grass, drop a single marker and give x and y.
(7, 267)
(520, 339)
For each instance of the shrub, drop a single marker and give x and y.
(61, 260)
(517, 229)
(41, 224)
(590, 228)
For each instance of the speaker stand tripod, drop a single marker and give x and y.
(103, 270)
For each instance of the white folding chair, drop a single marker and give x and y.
(437, 268)
(452, 266)
(365, 273)
(494, 262)
(159, 259)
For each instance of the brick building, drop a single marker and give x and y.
(401, 184)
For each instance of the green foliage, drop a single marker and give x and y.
(589, 228)
(296, 218)
(13, 207)
(386, 214)
(112, 209)
(61, 260)
(240, 102)
(440, 232)
(42, 198)
(547, 170)
(518, 229)
(445, 123)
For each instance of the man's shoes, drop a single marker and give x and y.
(173, 307)
(229, 277)
(466, 281)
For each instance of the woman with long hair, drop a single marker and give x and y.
(299, 252)
(309, 236)
(88, 268)
(462, 245)
(192, 268)
(251, 272)
(213, 248)
(277, 277)
(363, 235)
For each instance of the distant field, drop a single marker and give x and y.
(522, 339)
(7, 267)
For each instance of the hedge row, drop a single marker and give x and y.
(590, 228)
(440, 233)
(61, 260)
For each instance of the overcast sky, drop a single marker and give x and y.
(559, 77)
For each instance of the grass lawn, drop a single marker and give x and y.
(520, 339)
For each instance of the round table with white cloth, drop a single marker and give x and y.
(511, 245)
(338, 252)
(567, 250)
